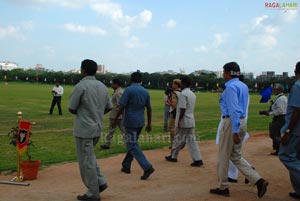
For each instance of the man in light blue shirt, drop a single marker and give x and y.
(289, 152)
(233, 104)
(134, 101)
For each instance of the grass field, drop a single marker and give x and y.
(52, 135)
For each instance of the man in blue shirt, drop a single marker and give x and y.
(233, 104)
(134, 100)
(289, 152)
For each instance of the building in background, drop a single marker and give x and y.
(101, 69)
(7, 65)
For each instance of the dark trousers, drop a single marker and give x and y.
(134, 150)
(56, 100)
(274, 130)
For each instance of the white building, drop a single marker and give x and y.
(7, 65)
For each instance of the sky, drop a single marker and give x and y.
(150, 35)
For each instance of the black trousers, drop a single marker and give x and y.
(274, 130)
(56, 100)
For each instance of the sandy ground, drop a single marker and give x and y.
(171, 181)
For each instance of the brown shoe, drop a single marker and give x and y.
(218, 191)
(261, 187)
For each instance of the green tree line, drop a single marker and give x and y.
(150, 80)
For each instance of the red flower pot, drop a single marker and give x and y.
(30, 169)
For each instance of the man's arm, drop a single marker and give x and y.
(149, 117)
(294, 118)
(75, 99)
(181, 115)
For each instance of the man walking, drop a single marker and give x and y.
(57, 93)
(89, 102)
(134, 100)
(172, 100)
(116, 85)
(278, 111)
(233, 104)
(185, 125)
(289, 152)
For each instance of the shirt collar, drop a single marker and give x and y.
(231, 81)
(89, 78)
(278, 95)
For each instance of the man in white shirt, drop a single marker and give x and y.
(185, 125)
(57, 93)
(278, 111)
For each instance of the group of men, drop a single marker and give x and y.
(90, 100)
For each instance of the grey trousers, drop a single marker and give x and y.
(289, 155)
(88, 165)
(186, 136)
(112, 128)
(230, 151)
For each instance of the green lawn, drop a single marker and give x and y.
(52, 135)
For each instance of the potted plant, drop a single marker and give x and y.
(29, 167)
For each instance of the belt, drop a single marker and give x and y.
(227, 116)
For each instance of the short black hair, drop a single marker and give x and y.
(116, 81)
(136, 77)
(233, 69)
(186, 81)
(297, 70)
(89, 66)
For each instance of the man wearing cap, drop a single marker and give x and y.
(233, 104)
(278, 111)
(289, 152)
(185, 125)
(116, 85)
(172, 101)
(89, 102)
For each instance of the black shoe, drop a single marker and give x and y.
(87, 198)
(197, 163)
(294, 195)
(232, 180)
(170, 159)
(126, 170)
(261, 187)
(105, 146)
(103, 187)
(218, 191)
(275, 153)
(147, 173)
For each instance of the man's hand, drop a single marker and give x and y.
(148, 128)
(179, 124)
(264, 112)
(285, 139)
(236, 138)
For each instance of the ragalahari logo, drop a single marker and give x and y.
(282, 5)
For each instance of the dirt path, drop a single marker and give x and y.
(171, 181)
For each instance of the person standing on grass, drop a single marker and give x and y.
(289, 152)
(278, 111)
(134, 101)
(57, 93)
(185, 125)
(89, 102)
(172, 100)
(116, 85)
(233, 104)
